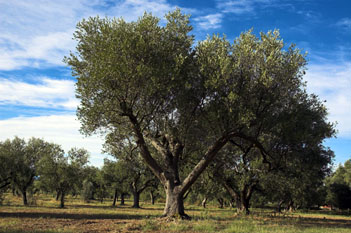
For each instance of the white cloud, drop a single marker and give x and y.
(240, 7)
(40, 32)
(236, 7)
(60, 129)
(47, 93)
(333, 84)
(211, 21)
(345, 22)
(130, 10)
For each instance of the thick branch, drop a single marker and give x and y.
(145, 153)
(204, 162)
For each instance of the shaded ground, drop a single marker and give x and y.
(97, 217)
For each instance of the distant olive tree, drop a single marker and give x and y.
(61, 173)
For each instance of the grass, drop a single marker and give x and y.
(78, 216)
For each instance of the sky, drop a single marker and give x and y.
(37, 90)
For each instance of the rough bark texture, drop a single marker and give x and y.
(174, 204)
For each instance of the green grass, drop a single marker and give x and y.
(78, 216)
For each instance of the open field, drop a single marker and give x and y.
(101, 217)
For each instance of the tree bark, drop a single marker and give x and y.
(122, 198)
(169, 174)
(279, 206)
(58, 195)
(62, 200)
(136, 197)
(220, 202)
(203, 203)
(115, 197)
(153, 197)
(24, 196)
(174, 204)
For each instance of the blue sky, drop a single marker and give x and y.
(37, 90)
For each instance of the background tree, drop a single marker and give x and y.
(150, 84)
(339, 187)
(136, 174)
(62, 173)
(21, 160)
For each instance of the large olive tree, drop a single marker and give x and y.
(149, 83)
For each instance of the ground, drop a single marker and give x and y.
(43, 215)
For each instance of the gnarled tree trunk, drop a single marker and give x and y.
(174, 203)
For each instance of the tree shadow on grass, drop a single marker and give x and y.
(68, 215)
(308, 222)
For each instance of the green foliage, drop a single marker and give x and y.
(148, 86)
(20, 162)
(60, 173)
(339, 187)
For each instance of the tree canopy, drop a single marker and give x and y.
(178, 102)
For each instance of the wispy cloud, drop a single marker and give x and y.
(344, 23)
(46, 93)
(242, 6)
(132, 9)
(60, 129)
(211, 21)
(333, 84)
(37, 33)
(236, 7)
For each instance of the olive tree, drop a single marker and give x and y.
(150, 84)
(20, 162)
(61, 173)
